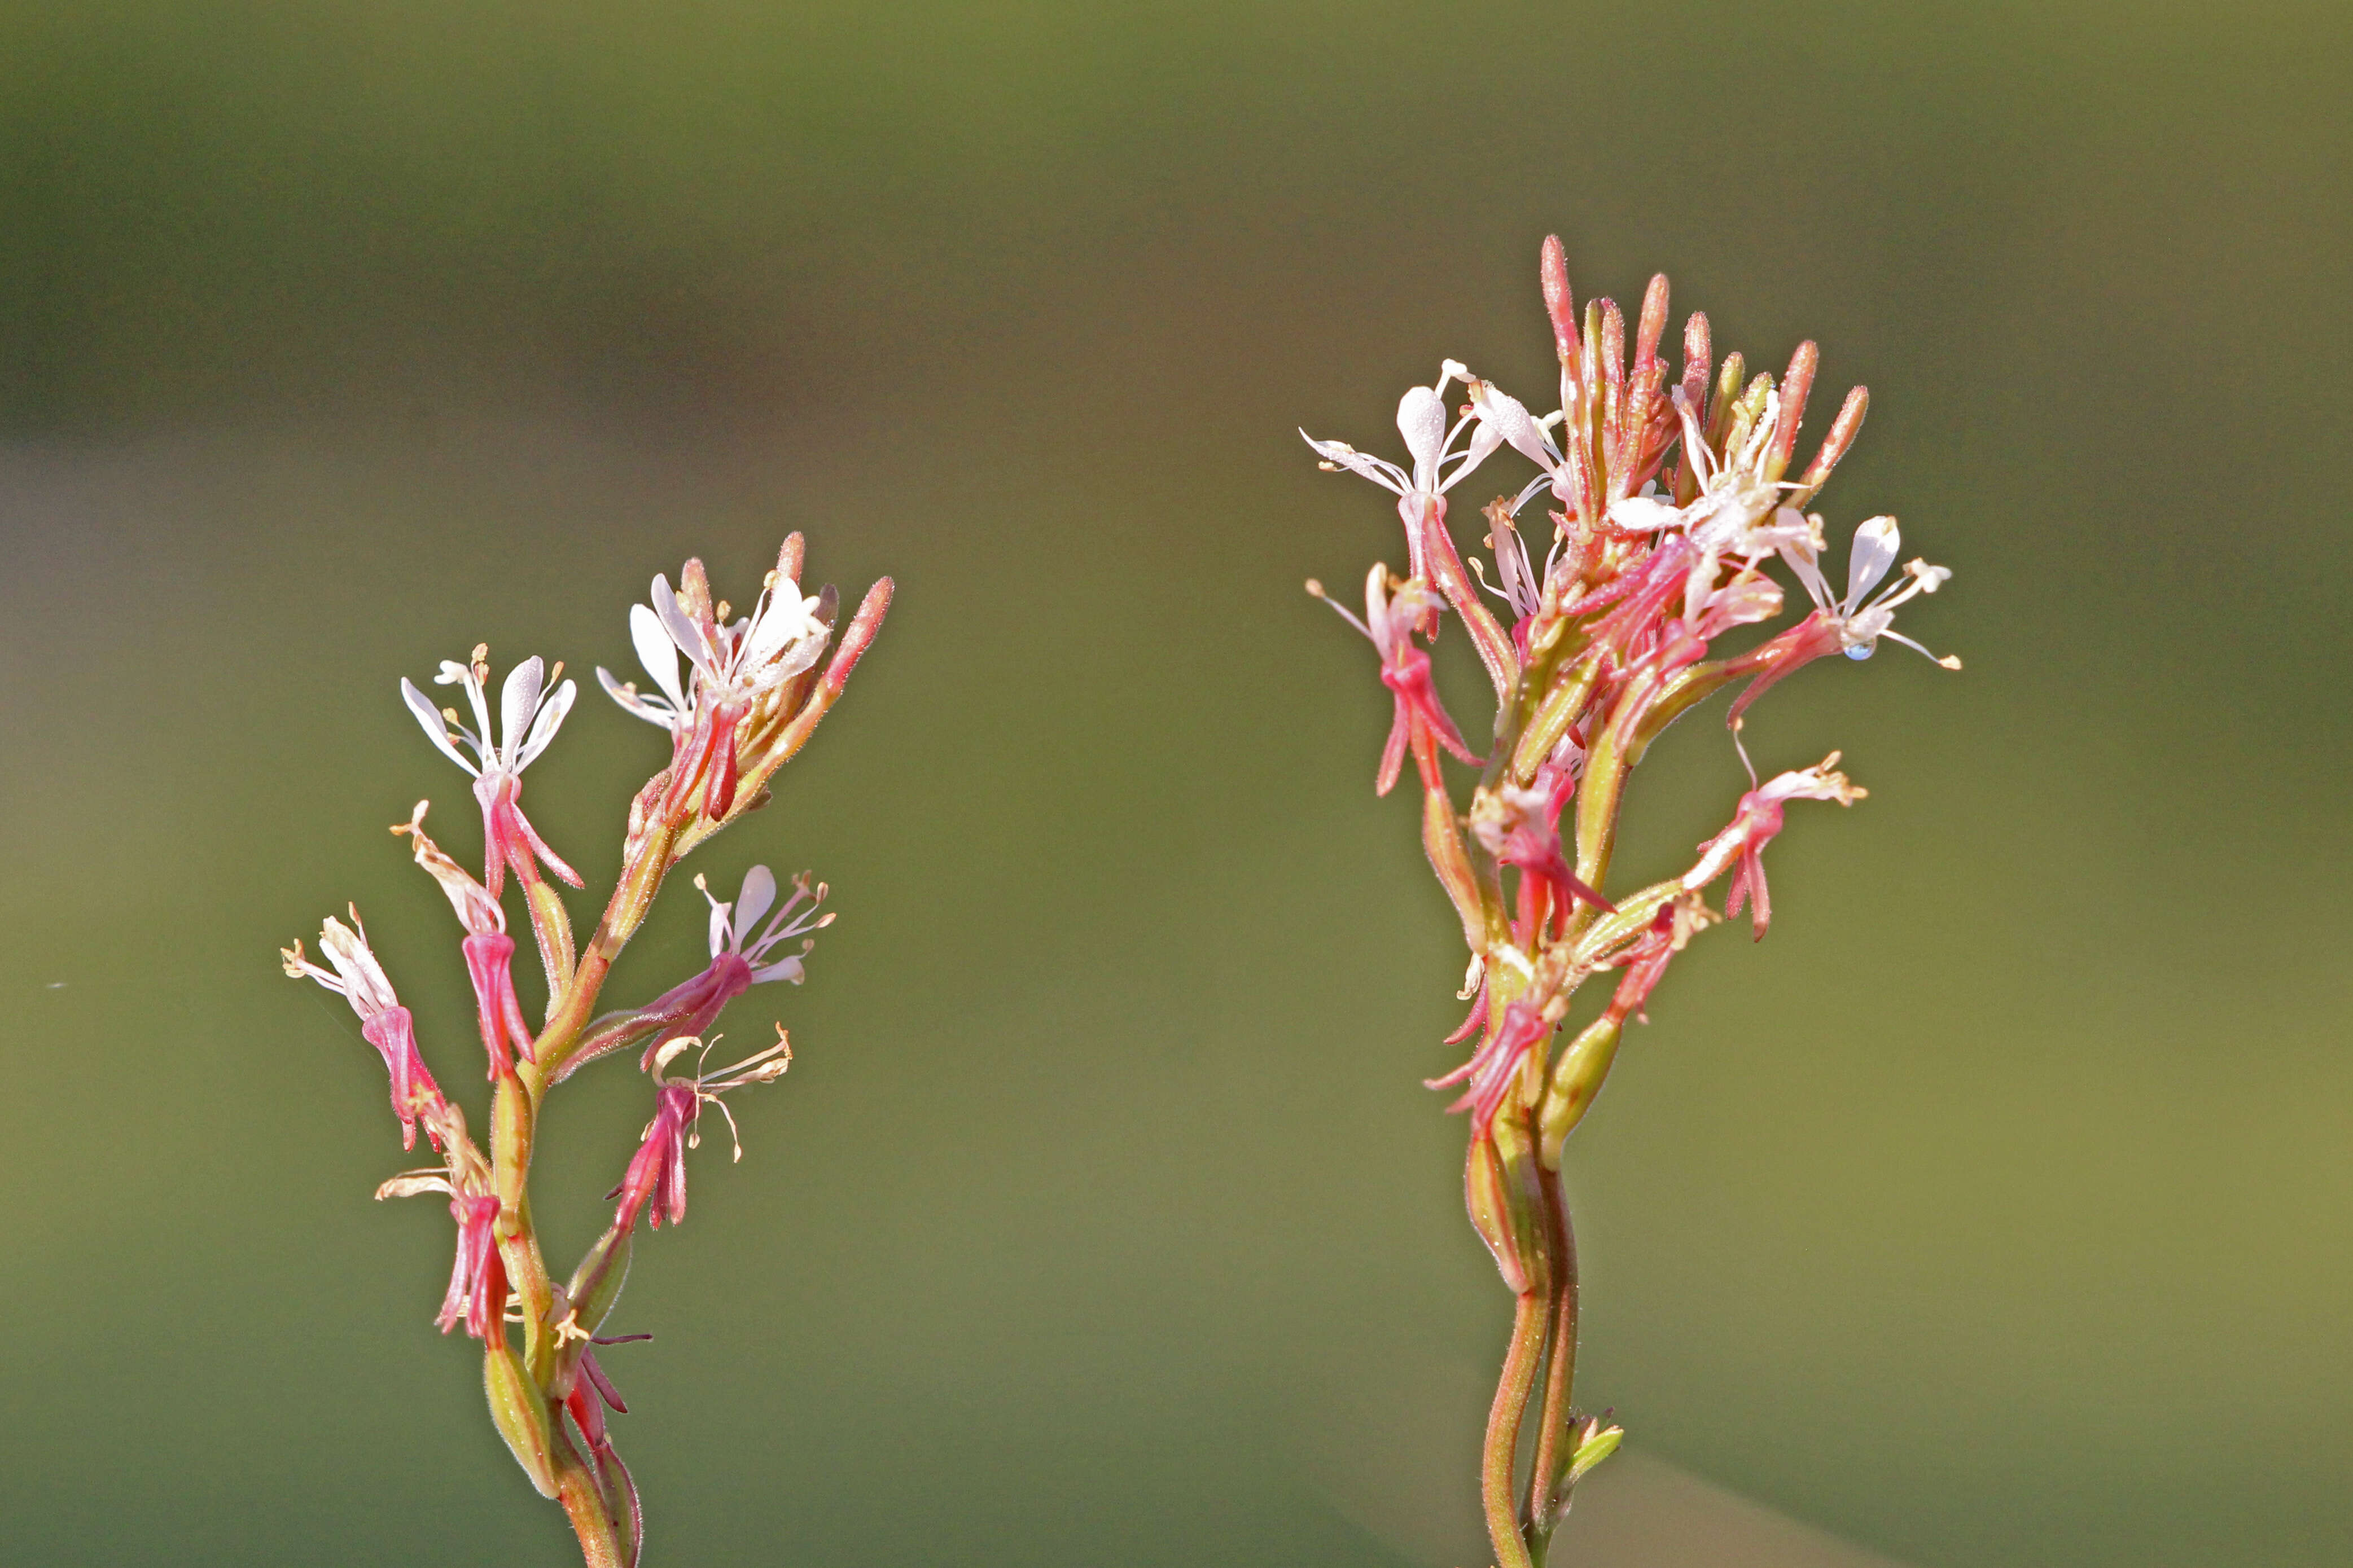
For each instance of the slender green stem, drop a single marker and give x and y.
(601, 1545)
(1552, 1450)
(1500, 1456)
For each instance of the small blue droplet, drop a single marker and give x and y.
(1862, 650)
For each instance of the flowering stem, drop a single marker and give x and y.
(1552, 1452)
(584, 1502)
(1500, 1456)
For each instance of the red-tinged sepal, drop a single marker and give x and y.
(1501, 1193)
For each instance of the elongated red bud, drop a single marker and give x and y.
(1559, 303)
(1795, 387)
(1844, 430)
(1654, 321)
(1699, 359)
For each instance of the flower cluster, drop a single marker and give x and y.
(1671, 496)
(750, 694)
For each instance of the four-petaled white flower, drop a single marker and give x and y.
(732, 925)
(1421, 420)
(529, 714)
(1437, 464)
(1736, 515)
(729, 666)
(1860, 625)
(529, 717)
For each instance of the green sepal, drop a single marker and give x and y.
(1576, 1079)
(520, 1412)
(597, 1284)
(1595, 1444)
(1500, 1190)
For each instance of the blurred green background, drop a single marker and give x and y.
(1998, 1211)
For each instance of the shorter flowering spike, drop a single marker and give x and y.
(385, 1024)
(1740, 846)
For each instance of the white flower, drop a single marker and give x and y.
(727, 665)
(1506, 419)
(528, 715)
(1421, 420)
(357, 977)
(1862, 624)
(731, 924)
(1738, 511)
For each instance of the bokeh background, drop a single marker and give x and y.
(1998, 1210)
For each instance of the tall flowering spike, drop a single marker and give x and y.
(1606, 642)
(1422, 725)
(359, 979)
(1740, 846)
(530, 715)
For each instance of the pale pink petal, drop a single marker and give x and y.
(1876, 546)
(657, 652)
(436, 729)
(758, 895)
